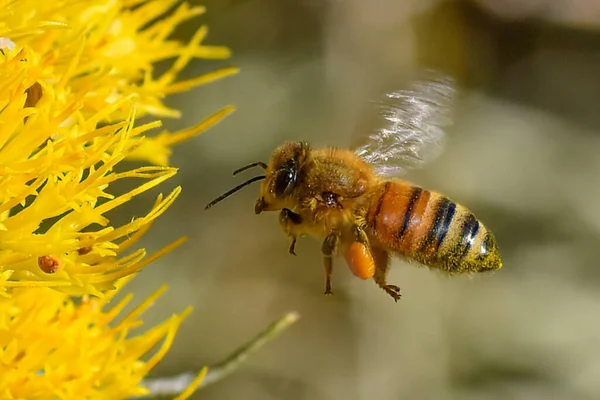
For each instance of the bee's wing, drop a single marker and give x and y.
(411, 126)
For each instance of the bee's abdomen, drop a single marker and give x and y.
(432, 229)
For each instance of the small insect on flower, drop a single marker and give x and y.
(49, 264)
(355, 201)
(82, 251)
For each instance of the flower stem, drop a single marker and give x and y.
(176, 384)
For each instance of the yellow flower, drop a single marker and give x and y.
(57, 349)
(75, 75)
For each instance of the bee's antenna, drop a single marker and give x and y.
(255, 164)
(232, 191)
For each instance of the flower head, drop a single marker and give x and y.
(56, 348)
(75, 76)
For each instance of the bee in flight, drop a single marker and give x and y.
(356, 202)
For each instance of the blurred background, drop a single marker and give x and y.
(522, 154)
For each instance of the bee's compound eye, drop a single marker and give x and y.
(285, 181)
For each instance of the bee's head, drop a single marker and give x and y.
(279, 181)
(282, 175)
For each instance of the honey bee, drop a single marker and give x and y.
(356, 202)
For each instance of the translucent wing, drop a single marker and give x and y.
(412, 122)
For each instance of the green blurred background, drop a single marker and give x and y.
(523, 155)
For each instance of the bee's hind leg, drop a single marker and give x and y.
(382, 264)
(329, 249)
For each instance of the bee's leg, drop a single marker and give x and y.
(293, 246)
(328, 272)
(382, 264)
(329, 248)
(357, 252)
(290, 222)
(360, 235)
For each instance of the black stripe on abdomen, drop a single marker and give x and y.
(441, 224)
(469, 231)
(410, 209)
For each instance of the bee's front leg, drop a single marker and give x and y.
(290, 223)
(329, 248)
